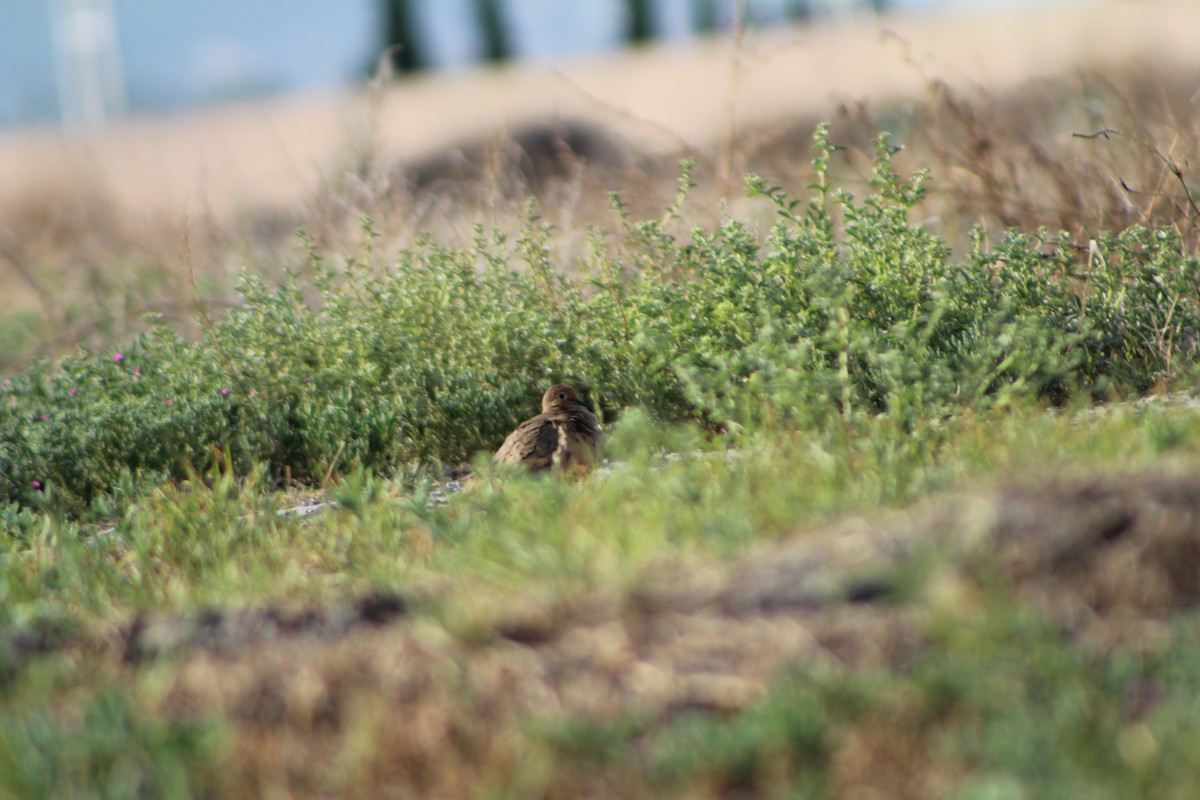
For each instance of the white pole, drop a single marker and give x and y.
(87, 62)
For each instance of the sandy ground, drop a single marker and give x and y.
(222, 160)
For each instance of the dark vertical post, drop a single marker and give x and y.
(639, 25)
(496, 45)
(704, 16)
(401, 36)
(798, 10)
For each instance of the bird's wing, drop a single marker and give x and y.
(533, 444)
(587, 427)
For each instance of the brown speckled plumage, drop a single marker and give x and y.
(565, 436)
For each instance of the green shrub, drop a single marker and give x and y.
(860, 311)
(845, 309)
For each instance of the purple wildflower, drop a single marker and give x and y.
(118, 358)
(72, 391)
(137, 371)
(170, 402)
(37, 484)
(44, 417)
(224, 392)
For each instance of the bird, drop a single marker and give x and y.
(565, 436)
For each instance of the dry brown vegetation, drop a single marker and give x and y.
(1088, 153)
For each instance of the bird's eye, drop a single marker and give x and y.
(562, 395)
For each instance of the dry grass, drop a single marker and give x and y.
(1086, 153)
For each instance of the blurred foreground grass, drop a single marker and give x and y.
(588, 639)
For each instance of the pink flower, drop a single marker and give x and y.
(72, 392)
(37, 484)
(170, 402)
(137, 370)
(44, 417)
(224, 392)
(118, 358)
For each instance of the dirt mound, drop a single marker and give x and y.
(522, 160)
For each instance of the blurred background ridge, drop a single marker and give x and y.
(298, 109)
(158, 55)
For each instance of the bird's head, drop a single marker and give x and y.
(560, 398)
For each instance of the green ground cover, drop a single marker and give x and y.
(757, 383)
